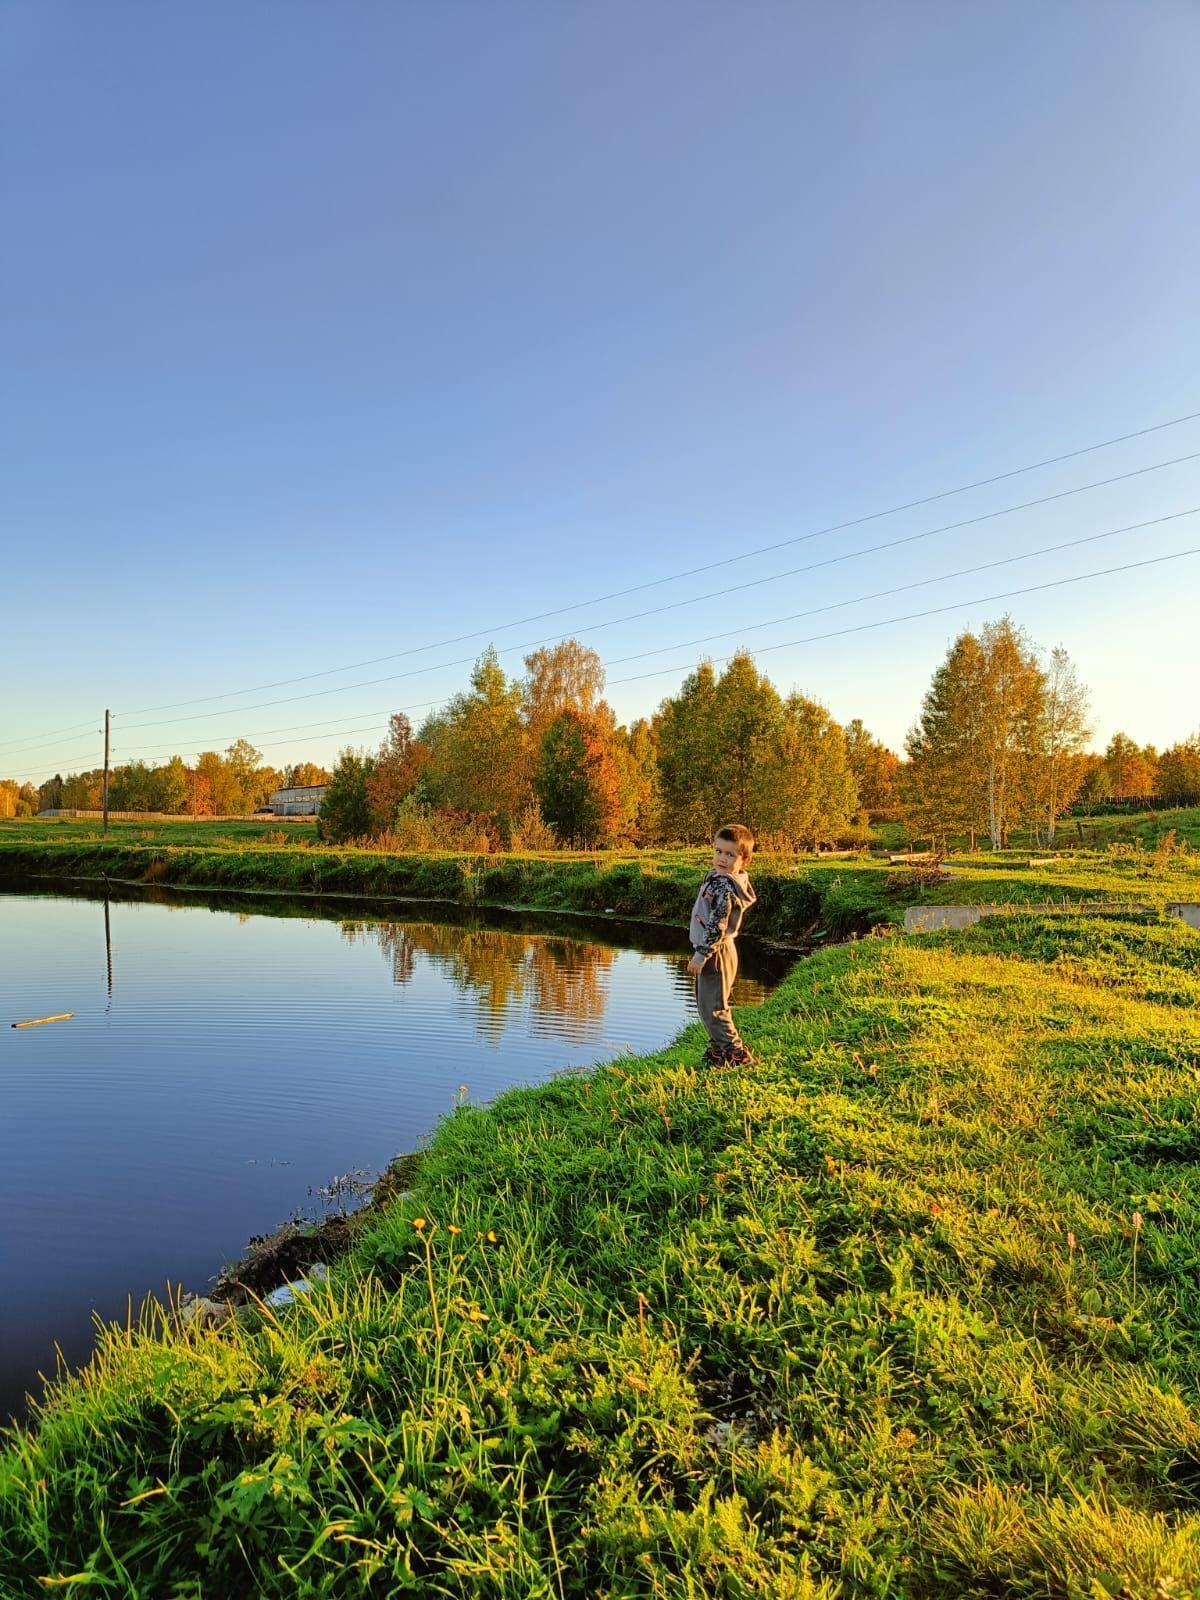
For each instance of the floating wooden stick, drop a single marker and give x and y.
(36, 1022)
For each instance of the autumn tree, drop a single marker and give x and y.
(395, 772)
(1178, 774)
(18, 799)
(83, 791)
(1131, 768)
(200, 799)
(577, 778)
(479, 755)
(944, 777)
(875, 770)
(253, 781)
(564, 677)
(222, 792)
(303, 775)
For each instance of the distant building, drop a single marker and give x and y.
(303, 801)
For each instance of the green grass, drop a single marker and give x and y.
(181, 831)
(909, 1310)
(1084, 832)
(1148, 826)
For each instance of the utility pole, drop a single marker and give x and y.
(108, 937)
(107, 719)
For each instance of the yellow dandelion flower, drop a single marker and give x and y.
(450, 1228)
(491, 1236)
(418, 1223)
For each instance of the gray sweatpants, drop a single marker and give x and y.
(714, 984)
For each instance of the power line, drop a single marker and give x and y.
(839, 633)
(878, 594)
(76, 727)
(935, 611)
(903, 588)
(708, 566)
(412, 672)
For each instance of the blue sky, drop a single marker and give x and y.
(336, 332)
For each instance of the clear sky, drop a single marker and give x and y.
(332, 332)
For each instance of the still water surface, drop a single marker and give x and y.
(223, 1063)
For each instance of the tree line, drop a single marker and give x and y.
(232, 784)
(1000, 743)
(540, 760)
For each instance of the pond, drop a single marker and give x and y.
(228, 1057)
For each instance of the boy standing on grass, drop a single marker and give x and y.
(725, 896)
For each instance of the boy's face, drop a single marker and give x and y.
(727, 857)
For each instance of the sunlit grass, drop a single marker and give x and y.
(911, 1309)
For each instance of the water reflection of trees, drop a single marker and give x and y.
(563, 982)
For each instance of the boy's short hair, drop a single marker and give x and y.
(737, 833)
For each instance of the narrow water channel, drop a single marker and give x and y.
(228, 1058)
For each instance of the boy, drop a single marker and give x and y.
(725, 897)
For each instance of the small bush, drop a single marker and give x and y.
(421, 827)
(531, 832)
(921, 875)
(1125, 850)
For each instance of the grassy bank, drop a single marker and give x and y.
(796, 894)
(909, 1310)
(659, 886)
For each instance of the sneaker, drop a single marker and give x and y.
(714, 1056)
(740, 1057)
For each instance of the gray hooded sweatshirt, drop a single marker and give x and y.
(721, 905)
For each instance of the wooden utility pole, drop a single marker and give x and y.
(107, 718)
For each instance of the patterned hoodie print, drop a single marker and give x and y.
(720, 906)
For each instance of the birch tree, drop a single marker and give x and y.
(1062, 732)
(565, 677)
(974, 753)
